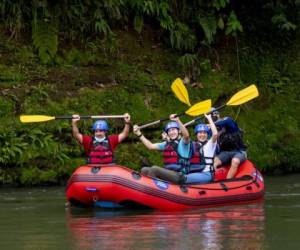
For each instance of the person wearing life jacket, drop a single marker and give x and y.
(176, 151)
(232, 149)
(204, 147)
(100, 147)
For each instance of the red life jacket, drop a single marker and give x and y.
(198, 160)
(198, 155)
(170, 155)
(100, 152)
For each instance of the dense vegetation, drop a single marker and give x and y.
(116, 56)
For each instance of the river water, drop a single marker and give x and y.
(38, 219)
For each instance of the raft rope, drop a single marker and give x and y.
(254, 180)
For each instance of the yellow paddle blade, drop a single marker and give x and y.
(36, 118)
(243, 96)
(199, 108)
(180, 91)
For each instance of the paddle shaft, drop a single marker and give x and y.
(90, 117)
(216, 109)
(158, 121)
(197, 109)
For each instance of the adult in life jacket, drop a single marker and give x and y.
(204, 148)
(232, 149)
(176, 151)
(99, 148)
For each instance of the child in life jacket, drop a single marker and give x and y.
(176, 151)
(204, 148)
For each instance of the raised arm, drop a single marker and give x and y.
(148, 144)
(184, 131)
(213, 128)
(126, 129)
(75, 131)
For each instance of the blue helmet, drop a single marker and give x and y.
(171, 125)
(202, 127)
(100, 125)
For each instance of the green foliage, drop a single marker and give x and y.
(219, 4)
(101, 26)
(233, 25)
(138, 23)
(45, 40)
(10, 75)
(6, 107)
(181, 37)
(110, 45)
(13, 14)
(209, 26)
(25, 55)
(140, 156)
(34, 176)
(188, 61)
(281, 22)
(19, 149)
(12, 148)
(75, 56)
(274, 144)
(184, 22)
(274, 71)
(190, 64)
(95, 64)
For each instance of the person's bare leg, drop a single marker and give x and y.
(217, 162)
(235, 162)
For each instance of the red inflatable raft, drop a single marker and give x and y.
(117, 186)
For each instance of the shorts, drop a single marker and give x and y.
(226, 156)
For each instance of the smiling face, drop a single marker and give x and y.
(202, 136)
(173, 133)
(99, 133)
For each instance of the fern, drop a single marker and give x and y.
(41, 145)
(112, 8)
(150, 8)
(163, 9)
(166, 23)
(182, 37)
(138, 23)
(190, 65)
(188, 61)
(12, 148)
(101, 26)
(233, 25)
(45, 40)
(209, 26)
(281, 21)
(219, 4)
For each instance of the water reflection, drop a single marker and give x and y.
(232, 227)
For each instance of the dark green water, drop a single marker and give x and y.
(37, 219)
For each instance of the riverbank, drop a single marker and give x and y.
(135, 77)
